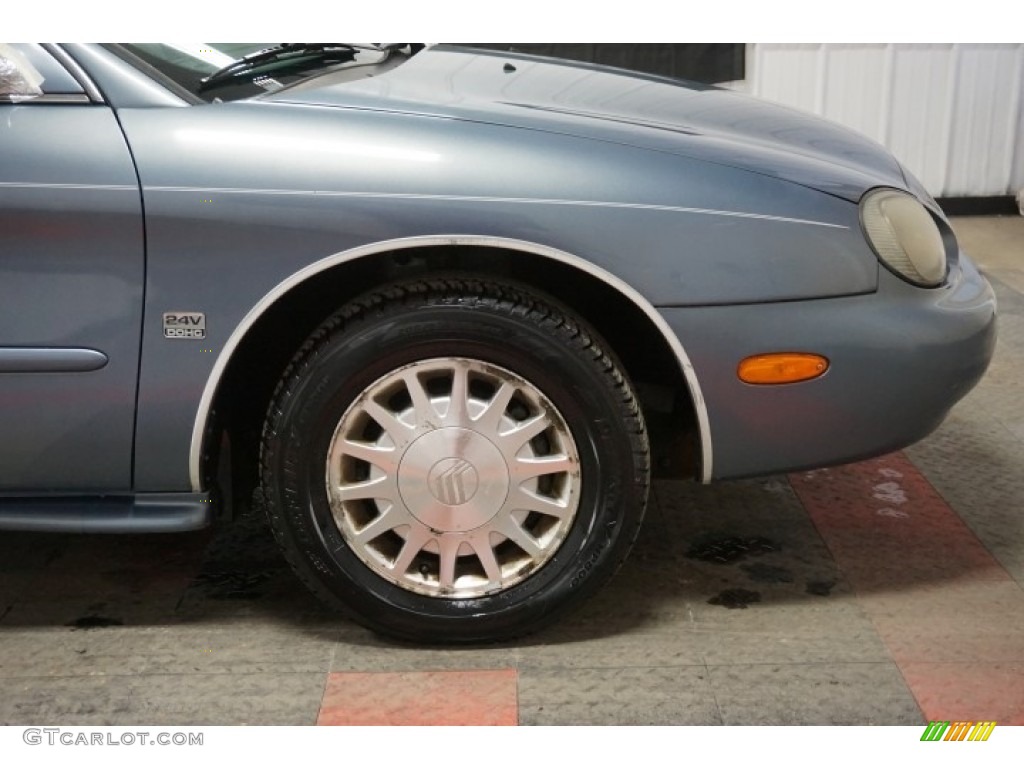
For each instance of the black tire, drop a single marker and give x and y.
(461, 319)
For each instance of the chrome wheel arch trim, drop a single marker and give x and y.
(372, 249)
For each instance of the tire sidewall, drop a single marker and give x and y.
(554, 358)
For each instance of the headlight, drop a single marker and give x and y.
(905, 236)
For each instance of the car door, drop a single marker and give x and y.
(71, 282)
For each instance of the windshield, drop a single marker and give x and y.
(229, 71)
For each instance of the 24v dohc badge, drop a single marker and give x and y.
(185, 325)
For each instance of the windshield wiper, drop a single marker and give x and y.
(286, 57)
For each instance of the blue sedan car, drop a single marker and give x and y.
(445, 310)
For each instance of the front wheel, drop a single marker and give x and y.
(455, 461)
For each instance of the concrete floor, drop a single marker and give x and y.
(888, 592)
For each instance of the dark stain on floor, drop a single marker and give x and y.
(763, 573)
(232, 585)
(820, 588)
(731, 549)
(94, 622)
(735, 598)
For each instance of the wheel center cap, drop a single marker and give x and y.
(453, 480)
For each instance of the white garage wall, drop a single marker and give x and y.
(953, 113)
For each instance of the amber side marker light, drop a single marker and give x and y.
(782, 368)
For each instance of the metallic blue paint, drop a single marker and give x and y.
(732, 224)
(586, 101)
(900, 358)
(72, 256)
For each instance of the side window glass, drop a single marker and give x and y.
(18, 78)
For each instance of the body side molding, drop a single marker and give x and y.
(50, 359)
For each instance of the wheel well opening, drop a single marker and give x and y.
(252, 374)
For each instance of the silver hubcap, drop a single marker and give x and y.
(453, 478)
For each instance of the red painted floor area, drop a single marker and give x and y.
(477, 697)
(950, 615)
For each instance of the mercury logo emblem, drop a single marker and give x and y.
(453, 481)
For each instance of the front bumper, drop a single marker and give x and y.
(900, 359)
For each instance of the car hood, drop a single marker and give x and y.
(605, 104)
